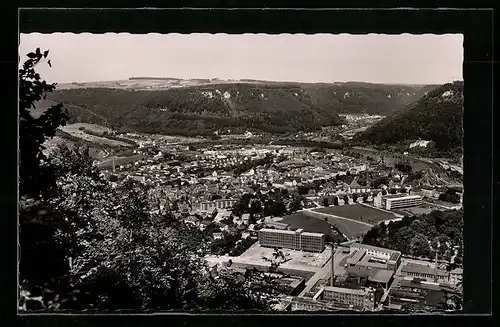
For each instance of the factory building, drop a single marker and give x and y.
(295, 240)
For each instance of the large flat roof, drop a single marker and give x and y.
(373, 248)
(404, 197)
(344, 290)
(299, 231)
(381, 276)
(421, 269)
(357, 255)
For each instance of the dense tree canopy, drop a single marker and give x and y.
(411, 235)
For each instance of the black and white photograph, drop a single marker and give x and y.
(229, 172)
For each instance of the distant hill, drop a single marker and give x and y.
(197, 108)
(436, 117)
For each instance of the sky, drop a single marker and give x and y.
(375, 58)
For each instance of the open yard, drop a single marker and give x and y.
(358, 212)
(255, 253)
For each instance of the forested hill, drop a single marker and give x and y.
(436, 117)
(260, 107)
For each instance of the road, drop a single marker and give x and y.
(325, 272)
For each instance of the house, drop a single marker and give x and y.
(205, 222)
(245, 218)
(222, 215)
(456, 276)
(245, 235)
(192, 220)
(218, 236)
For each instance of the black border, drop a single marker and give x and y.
(477, 27)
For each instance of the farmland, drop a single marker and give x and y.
(358, 212)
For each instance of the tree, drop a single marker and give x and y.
(450, 196)
(365, 197)
(335, 201)
(37, 178)
(91, 246)
(354, 197)
(346, 199)
(325, 202)
(296, 204)
(393, 191)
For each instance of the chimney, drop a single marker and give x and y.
(333, 265)
(436, 267)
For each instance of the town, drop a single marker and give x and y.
(314, 204)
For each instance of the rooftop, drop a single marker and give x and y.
(421, 269)
(373, 248)
(401, 196)
(344, 290)
(356, 256)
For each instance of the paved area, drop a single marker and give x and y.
(325, 272)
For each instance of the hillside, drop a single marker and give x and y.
(436, 117)
(274, 107)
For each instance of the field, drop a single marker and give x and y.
(89, 127)
(74, 130)
(310, 223)
(358, 212)
(108, 163)
(350, 228)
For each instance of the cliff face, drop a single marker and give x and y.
(436, 117)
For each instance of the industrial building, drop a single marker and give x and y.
(390, 202)
(292, 285)
(425, 272)
(306, 304)
(389, 258)
(376, 264)
(362, 299)
(416, 293)
(296, 240)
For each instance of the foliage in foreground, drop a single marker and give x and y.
(87, 245)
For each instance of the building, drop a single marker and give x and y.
(456, 276)
(391, 258)
(425, 272)
(217, 204)
(296, 240)
(362, 299)
(376, 264)
(401, 201)
(306, 304)
(292, 285)
(418, 294)
(276, 225)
